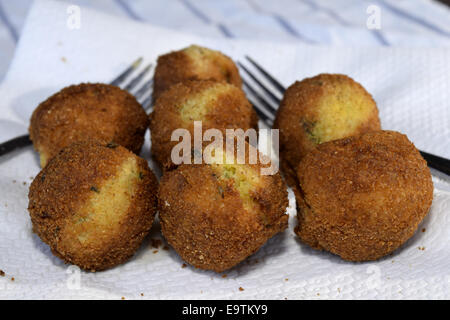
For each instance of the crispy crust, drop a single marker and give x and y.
(178, 66)
(362, 197)
(88, 111)
(300, 106)
(204, 217)
(229, 109)
(68, 182)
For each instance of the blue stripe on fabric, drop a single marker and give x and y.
(196, 12)
(287, 26)
(406, 15)
(381, 39)
(283, 23)
(225, 31)
(125, 7)
(4, 18)
(378, 35)
(328, 11)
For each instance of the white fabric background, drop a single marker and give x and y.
(326, 22)
(412, 90)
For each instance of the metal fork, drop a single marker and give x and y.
(266, 105)
(139, 85)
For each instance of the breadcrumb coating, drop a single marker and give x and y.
(320, 109)
(218, 105)
(216, 215)
(93, 204)
(362, 197)
(87, 111)
(193, 63)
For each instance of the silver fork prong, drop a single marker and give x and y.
(264, 117)
(260, 98)
(121, 78)
(132, 84)
(271, 79)
(261, 85)
(262, 114)
(146, 87)
(146, 104)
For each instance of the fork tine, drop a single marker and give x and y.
(264, 114)
(146, 104)
(272, 80)
(269, 93)
(144, 89)
(263, 101)
(138, 78)
(125, 74)
(261, 114)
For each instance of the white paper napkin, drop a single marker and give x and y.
(411, 88)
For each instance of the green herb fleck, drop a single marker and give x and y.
(318, 83)
(221, 192)
(94, 189)
(308, 126)
(112, 145)
(81, 220)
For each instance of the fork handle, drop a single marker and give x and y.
(435, 162)
(15, 143)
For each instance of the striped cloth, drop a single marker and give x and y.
(408, 23)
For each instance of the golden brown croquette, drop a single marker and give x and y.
(320, 109)
(93, 204)
(87, 111)
(193, 63)
(217, 104)
(216, 215)
(362, 197)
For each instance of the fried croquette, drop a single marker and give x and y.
(320, 109)
(93, 204)
(362, 197)
(87, 111)
(217, 105)
(193, 63)
(216, 215)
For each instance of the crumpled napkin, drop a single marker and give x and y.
(411, 88)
